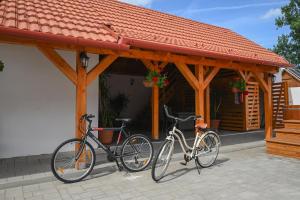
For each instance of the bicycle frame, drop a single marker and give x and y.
(182, 141)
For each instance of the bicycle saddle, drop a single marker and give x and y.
(123, 119)
(201, 125)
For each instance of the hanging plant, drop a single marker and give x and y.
(237, 85)
(155, 78)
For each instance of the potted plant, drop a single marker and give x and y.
(215, 121)
(155, 78)
(110, 109)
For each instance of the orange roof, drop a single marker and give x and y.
(115, 24)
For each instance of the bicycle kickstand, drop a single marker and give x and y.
(119, 166)
(198, 167)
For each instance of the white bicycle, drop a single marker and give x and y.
(205, 149)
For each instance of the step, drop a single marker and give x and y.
(292, 123)
(288, 133)
(283, 147)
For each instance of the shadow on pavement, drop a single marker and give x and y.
(180, 172)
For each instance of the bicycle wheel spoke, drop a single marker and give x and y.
(136, 153)
(72, 161)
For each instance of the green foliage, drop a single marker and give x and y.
(110, 107)
(288, 45)
(119, 103)
(1, 66)
(239, 84)
(157, 78)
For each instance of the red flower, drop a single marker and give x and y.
(154, 79)
(246, 92)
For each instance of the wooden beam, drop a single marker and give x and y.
(211, 75)
(268, 107)
(207, 106)
(60, 63)
(199, 93)
(155, 112)
(243, 74)
(100, 67)
(81, 94)
(261, 81)
(188, 75)
(148, 64)
(162, 65)
(144, 54)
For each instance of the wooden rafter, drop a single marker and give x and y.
(188, 75)
(162, 65)
(261, 82)
(100, 67)
(246, 75)
(60, 63)
(210, 76)
(148, 64)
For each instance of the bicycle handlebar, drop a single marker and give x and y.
(192, 117)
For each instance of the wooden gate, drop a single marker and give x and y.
(252, 113)
(280, 98)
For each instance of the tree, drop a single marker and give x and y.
(288, 45)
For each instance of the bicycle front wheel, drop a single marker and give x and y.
(208, 149)
(136, 153)
(72, 161)
(162, 160)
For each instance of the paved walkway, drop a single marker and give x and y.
(29, 165)
(244, 174)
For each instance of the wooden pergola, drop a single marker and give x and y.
(205, 71)
(154, 38)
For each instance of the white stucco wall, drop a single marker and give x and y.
(37, 102)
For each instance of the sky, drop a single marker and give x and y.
(254, 19)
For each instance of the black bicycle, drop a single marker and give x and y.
(74, 159)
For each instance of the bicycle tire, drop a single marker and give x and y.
(217, 140)
(54, 155)
(148, 158)
(160, 152)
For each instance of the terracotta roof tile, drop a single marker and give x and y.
(87, 18)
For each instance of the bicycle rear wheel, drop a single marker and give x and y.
(136, 153)
(208, 149)
(72, 161)
(162, 160)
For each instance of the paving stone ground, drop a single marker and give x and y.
(245, 174)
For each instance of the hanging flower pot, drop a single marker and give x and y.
(155, 78)
(235, 90)
(148, 83)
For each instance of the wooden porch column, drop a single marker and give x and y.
(207, 106)
(268, 108)
(199, 93)
(265, 83)
(81, 94)
(155, 113)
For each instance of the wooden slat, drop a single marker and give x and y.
(188, 75)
